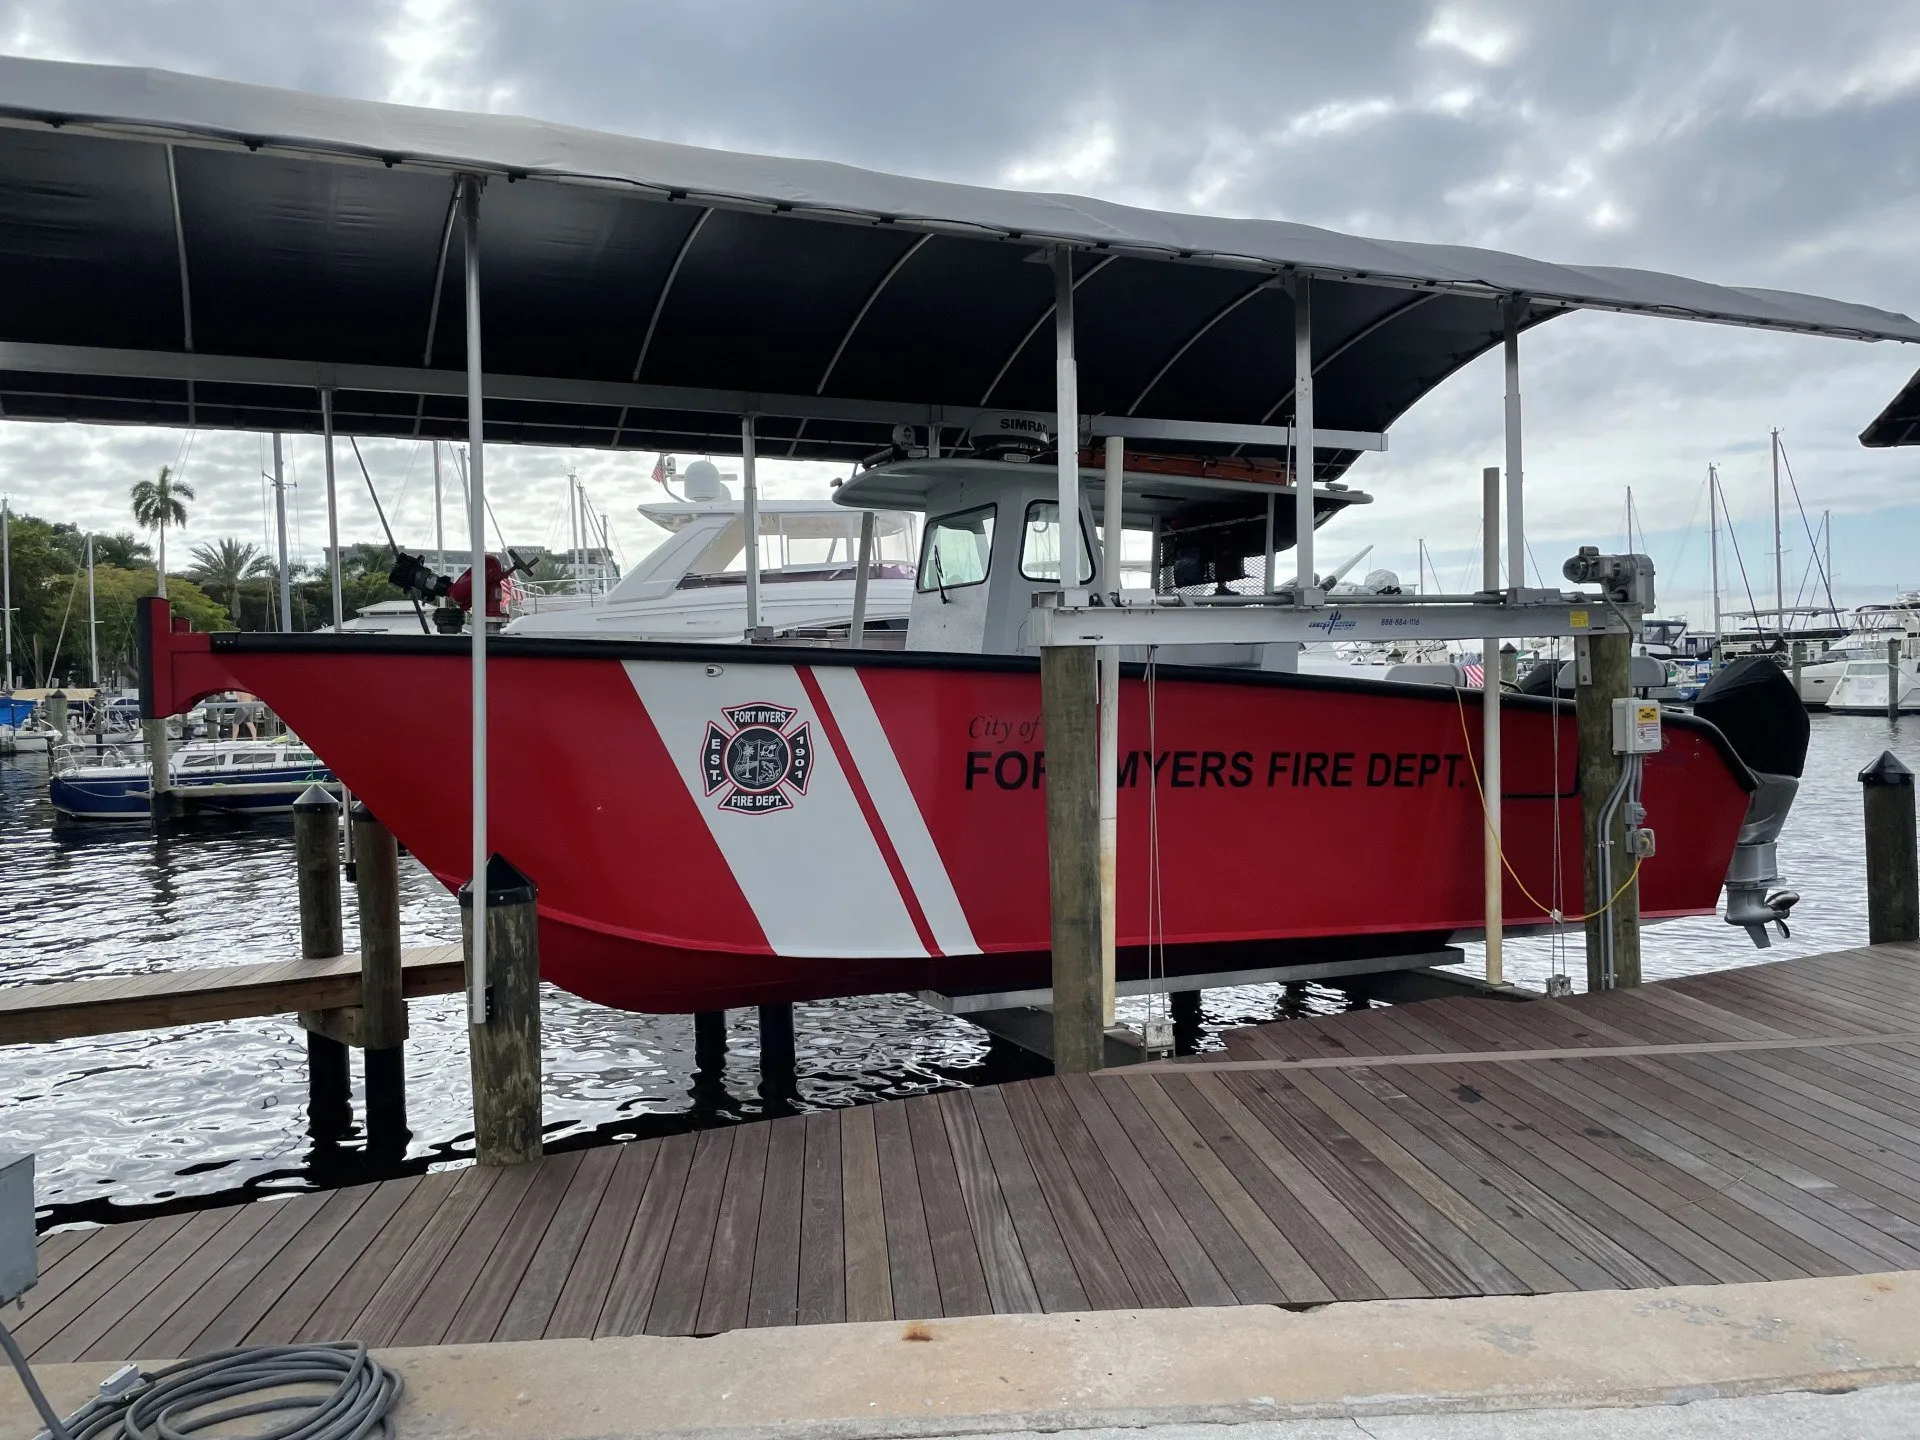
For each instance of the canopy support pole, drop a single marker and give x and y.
(1302, 288)
(1066, 380)
(280, 518)
(750, 511)
(1516, 508)
(1490, 782)
(857, 632)
(333, 510)
(439, 516)
(1110, 546)
(477, 1009)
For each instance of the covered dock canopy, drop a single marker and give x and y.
(1899, 423)
(194, 252)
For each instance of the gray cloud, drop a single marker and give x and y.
(1735, 141)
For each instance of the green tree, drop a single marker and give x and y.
(156, 505)
(222, 568)
(121, 550)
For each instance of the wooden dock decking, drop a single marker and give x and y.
(65, 1009)
(1745, 1125)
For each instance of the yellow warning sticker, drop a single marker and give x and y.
(1578, 619)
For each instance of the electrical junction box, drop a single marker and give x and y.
(19, 1264)
(1636, 727)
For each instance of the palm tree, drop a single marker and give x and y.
(222, 568)
(156, 505)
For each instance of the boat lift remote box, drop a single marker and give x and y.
(1636, 727)
(19, 1264)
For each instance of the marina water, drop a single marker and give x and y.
(124, 1124)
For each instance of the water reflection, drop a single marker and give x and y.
(125, 1123)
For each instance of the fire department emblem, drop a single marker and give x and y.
(760, 758)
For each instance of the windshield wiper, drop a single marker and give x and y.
(940, 576)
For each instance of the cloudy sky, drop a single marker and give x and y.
(1754, 142)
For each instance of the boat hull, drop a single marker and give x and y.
(127, 798)
(715, 826)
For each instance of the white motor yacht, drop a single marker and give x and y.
(693, 586)
(1865, 645)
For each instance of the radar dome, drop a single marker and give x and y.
(702, 481)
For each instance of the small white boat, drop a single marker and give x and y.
(1861, 689)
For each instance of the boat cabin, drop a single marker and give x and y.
(990, 540)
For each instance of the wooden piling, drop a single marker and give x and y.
(1799, 659)
(1893, 861)
(710, 1040)
(505, 1048)
(1893, 679)
(57, 711)
(383, 1007)
(159, 776)
(1599, 683)
(316, 849)
(1069, 713)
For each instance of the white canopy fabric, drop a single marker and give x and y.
(286, 240)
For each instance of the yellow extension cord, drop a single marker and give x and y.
(1486, 819)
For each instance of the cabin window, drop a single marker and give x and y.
(1040, 545)
(195, 762)
(957, 550)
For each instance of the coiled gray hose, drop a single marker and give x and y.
(173, 1403)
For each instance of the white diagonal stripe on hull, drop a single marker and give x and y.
(893, 798)
(813, 875)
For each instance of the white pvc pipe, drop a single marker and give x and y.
(477, 538)
(1303, 436)
(333, 514)
(1110, 548)
(439, 516)
(1490, 727)
(750, 509)
(1066, 383)
(1516, 512)
(857, 633)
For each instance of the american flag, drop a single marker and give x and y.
(1476, 674)
(663, 469)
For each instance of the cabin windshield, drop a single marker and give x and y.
(1040, 545)
(958, 549)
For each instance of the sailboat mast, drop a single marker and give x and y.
(439, 517)
(1779, 564)
(1826, 536)
(280, 520)
(1713, 541)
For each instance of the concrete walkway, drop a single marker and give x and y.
(1446, 1369)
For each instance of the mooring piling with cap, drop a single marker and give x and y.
(1602, 669)
(504, 1036)
(1893, 856)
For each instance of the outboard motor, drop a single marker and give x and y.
(1754, 704)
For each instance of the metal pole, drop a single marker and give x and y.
(1490, 728)
(439, 516)
(1713, 543)
(477, 544)
(1516, 512)
(1779, 571)
(333, 511)
(1066, 384)
(750, 511)
(93, 633)
(6, 580)
(857, 632)
(1302, 289)
(1110, 545)
(1267, 571)
(280, 517)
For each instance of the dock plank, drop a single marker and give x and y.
(1756, 1123)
